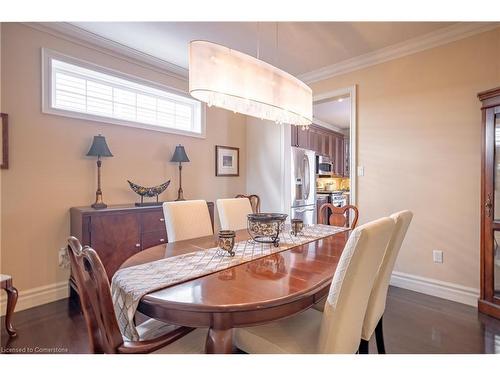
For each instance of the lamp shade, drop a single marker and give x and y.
(99, 147)
(241, 83)
(180, 155)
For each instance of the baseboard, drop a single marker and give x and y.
(37, 296)
(437, 288)
(450, 291)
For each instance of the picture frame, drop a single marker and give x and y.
(4, 142)
(227, 161)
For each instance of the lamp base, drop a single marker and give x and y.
(99, 206)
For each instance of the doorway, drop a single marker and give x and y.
(336, 111)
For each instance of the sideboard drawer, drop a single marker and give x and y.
(154, 238)
(153, 221)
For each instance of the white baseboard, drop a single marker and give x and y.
(437, 288)
(450, 291)
(37, 296)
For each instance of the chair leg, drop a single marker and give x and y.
(379, 336)
(11, 304)
(363, 347)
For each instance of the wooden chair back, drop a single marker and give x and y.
(95, 298)
(340, 215)
(254, 201)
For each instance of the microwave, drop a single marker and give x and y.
(324, 166)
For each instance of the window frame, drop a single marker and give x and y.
(48, 81)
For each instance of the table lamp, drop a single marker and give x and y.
(180, 157)
(100, 149)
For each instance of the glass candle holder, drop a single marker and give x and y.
(226, 241)
(297, 226)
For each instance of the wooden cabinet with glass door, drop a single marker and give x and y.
(489, 301)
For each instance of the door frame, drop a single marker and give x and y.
(353, 165)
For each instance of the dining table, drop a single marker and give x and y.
(252, 293)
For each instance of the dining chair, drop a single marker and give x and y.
(233, 213)
(340, 215)
(102, 326)
(338, 328)
(12, 293)
(187, 219)
(254, 201)
(376, 304)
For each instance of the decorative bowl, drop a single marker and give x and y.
(266, 227)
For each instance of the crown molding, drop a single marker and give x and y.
(327, 125)
(88, 39)
(434, 39)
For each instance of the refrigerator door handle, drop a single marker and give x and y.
(307, 183)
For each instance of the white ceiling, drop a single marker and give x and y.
(302, 46)
(334, 112)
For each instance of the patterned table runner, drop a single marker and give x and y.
(130, 284)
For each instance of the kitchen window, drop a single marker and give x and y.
(75, 88)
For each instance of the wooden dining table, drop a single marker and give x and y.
(253, 293)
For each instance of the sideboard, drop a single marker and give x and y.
(118, 232)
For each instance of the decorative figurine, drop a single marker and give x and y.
(149, 192)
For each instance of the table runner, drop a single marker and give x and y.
(130, 284)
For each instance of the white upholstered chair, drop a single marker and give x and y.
(233, 213)
(338, 328)
(376, 304)
(187, 219)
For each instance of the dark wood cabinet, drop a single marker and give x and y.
(118, 232)
(489, 300)
(302, 137)
(347, 156)
(324, 142)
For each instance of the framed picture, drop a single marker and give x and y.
(4, 142)
(227, 161)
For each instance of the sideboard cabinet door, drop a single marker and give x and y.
(118, 236)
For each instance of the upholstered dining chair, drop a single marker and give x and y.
(254, 201)
(102, 326)
(376, 304)
(187, 219)
(233, 213)
(339, 216)
(338, 328)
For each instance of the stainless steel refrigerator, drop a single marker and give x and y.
(303, 189)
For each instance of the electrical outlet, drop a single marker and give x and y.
(437, 256)
(361, 171)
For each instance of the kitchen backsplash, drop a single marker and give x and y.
(334, 183)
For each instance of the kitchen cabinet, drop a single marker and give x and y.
(302, 137)
(347, 156)
(324, 142)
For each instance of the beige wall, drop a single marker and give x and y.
(419, 139)
(49, 172)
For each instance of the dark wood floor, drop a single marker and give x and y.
(414, 323)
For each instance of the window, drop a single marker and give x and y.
(77, 89)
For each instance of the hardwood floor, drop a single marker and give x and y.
(414, 323)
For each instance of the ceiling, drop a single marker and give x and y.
(334, 112)
(302, 46)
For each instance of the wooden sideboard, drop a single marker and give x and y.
(118, 232)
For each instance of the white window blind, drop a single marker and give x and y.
(78, 89)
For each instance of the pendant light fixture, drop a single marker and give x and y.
(226, 78)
